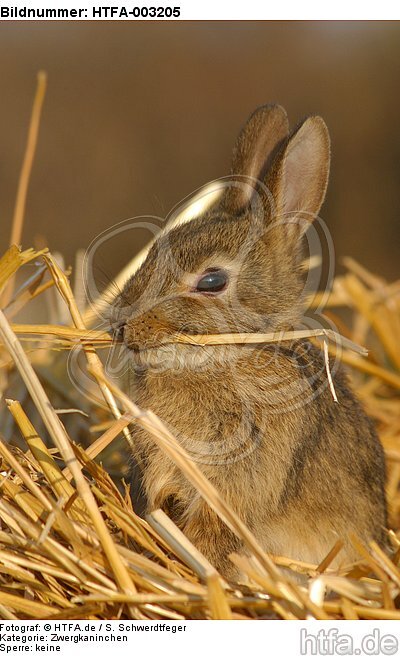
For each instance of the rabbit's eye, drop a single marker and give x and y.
(213, 281)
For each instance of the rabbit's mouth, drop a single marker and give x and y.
(175, 357)
(159, 350)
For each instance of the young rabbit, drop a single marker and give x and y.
(260, 421)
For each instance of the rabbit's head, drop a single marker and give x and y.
(235, 268)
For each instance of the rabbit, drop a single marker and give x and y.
(300, 469)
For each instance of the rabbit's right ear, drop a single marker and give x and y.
(254, 151)
(299, 175)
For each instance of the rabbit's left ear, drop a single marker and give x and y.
(253, 153)
(299, 175)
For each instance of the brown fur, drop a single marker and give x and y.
(260, 421)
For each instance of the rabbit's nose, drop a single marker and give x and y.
(144, 331)
(135, 333)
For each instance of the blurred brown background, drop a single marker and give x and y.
(138, 115)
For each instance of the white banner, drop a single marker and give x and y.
(177, 638)
(133, 10)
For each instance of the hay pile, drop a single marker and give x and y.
(71, 545)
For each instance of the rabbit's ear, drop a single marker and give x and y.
(253, 153)
(299, 175)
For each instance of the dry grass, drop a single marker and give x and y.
(71, 545)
